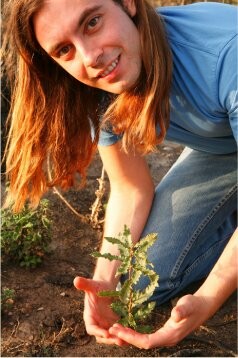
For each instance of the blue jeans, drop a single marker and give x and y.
(194, 214)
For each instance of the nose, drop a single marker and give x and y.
(91, 56)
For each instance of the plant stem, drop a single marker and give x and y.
(130, 275)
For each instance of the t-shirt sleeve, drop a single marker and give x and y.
(228, 82)
(107, 137)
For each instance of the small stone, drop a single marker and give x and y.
(26, 331)
(167, 149)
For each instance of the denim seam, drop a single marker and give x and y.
(198, 231)
(201, 258)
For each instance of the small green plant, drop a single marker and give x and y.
(7, 299)
(25, 235)
(130, 304)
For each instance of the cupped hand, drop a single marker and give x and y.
(189, 313)
(98, 315)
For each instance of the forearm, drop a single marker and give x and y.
(222, 280)
(132, 192)
(125, 207)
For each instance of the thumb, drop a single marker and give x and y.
(183, 309)
(86, 284)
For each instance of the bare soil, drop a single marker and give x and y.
(46, 317)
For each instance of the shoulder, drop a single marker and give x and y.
(205, 26)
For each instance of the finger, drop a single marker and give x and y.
(165, 336)
(183, 309)
(85, 284)
(130, 336)
(111, 341)
(122, 343)
(177, 314)
(94, 330)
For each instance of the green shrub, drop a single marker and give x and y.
(130, 304)
(25, 235)
(7, 299)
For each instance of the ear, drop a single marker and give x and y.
(130, 6)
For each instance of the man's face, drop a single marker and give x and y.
(95, 41)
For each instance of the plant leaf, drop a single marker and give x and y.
(136, 274)
(116, 241)
(108, 293)
(144, 329)
(131, 321)
(145, 243)
(141, 296)
(119, 308)
(124, 322)
(123, 269)
(105, 256)
(144, 311)
(125, 291)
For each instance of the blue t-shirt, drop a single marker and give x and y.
(204, 94)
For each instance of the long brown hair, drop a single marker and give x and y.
(137, 112)
(52, 114)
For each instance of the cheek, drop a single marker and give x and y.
(131, 41)
(74, 69)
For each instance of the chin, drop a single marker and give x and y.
(120, 88)
(113, 90)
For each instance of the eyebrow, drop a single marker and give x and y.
(83, 16)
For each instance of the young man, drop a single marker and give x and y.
(119, 75)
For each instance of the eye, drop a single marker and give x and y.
(64, 51)
(93, 23)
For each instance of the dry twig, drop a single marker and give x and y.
(96, 207)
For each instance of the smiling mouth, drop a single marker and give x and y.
(110, 68)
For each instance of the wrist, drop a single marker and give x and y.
(211, 298)
(217, 288)
(106, 272)
(208, 302)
